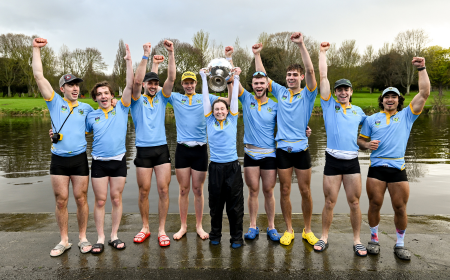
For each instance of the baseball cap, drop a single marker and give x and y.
(67, 78)
(151, 76)
(391, 89)
(342, 82)
(188, 75)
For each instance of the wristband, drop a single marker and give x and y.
(144, 57)
(228, 58)
(421, 68)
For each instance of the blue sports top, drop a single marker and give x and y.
(110, 130)
(190, 120)
(74, 139)
(259, 120)
(222, 138)
(149, 115)
(294, 112)
(393, 133)
(341, 124)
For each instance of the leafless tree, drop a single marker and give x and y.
(200, 40)
(119, 70)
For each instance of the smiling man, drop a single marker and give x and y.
(389, 131)
(69, 160)
(342, 121)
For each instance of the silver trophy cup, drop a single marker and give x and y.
(219, 71)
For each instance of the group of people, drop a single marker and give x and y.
(205, 118)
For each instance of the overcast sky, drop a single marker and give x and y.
(100, 24)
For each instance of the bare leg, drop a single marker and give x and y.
(375, 191)
(304, 182)
(100, 187)
(251, 175)
(80, 187)
(144, 179)
(184, 181)
(285, 176)
(116, 188)
(60, 186)
(352, 185)
(269, 179)
(163, 176)
(198, 181)
(399, 192)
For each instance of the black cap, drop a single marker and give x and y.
(67, 78)
(151, 76)
(342, 82)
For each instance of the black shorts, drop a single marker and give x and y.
(335, 166)
(110, 168)
(193, 157)
(388, 174)
(77, 165)
(300, 160)
(267, 163)
(149, 157)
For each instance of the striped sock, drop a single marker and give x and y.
(400, 237)
(374, 234)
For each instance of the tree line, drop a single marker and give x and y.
(372, 69)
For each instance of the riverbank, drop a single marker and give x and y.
(28, 238)
(29, 106)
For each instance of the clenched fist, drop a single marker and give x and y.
(168, 45)
(128, 54)
(147, 49)
(256, 48)
(297, 38)
(324, 46)
(39, 42)
(158, 59)
(229, 51)
(418, 62)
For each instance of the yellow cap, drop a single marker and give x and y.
(188, 75)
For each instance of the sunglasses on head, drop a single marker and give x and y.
(259, 73)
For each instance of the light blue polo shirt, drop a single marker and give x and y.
(149, 115)
(341, 123)
(110, 130)
(74, 139)
(222, 138)
(189, 116)
(294, 112)
(259, 120)
(393, 133)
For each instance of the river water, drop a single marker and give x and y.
(25, 160)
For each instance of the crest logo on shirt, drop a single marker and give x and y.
(63, 108)
(113, 112)
(269, 109)
(337, 108)
(183, 101)
(198, 101)
(354, 112)
(216, 123)
(377, 123)
(299, 96)
(289, 149)
(97, 119)
(396, 119)
(145, 102)
(284, 97)
(226, 122)
(252, 105)
(81, 111)
(156, 100)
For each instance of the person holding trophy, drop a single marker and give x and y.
(225, 184)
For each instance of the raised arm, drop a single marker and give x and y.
(205, 93)
(310, 78)
(234, 105)
(157, 59)
(419, 100)
(229, 56)
(323, 69)
(126, 96)
(44, 86)
(256, 49)
(140, 71)
(172, 69)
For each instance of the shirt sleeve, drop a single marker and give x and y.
(88, 125)
(363, 117)
(243, 95)
(311, 93)
(326, 104)
(212, 98)
(53, 102)
(122, 106)
(276, 89)
(410, 114)
(366, 130)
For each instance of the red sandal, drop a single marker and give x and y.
(164, 240)
(141, 237)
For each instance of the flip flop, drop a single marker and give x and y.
(402, 253)
(141, 237)
(97, 246)
(373, 248)
(252, 233)
(323, 246)
(116, 243)
(61, 249)
(165, 239)
(273, 234)
(359, 247)
(310, 237)
(83, 244)
(287, 238)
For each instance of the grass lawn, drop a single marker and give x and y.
(30, 104)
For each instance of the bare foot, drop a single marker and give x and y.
(203, 234)
(55, 253)
(179, 234)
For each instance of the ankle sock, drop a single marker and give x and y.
(400, 237)
(374, 233)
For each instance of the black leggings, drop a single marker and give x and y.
(225, 185)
